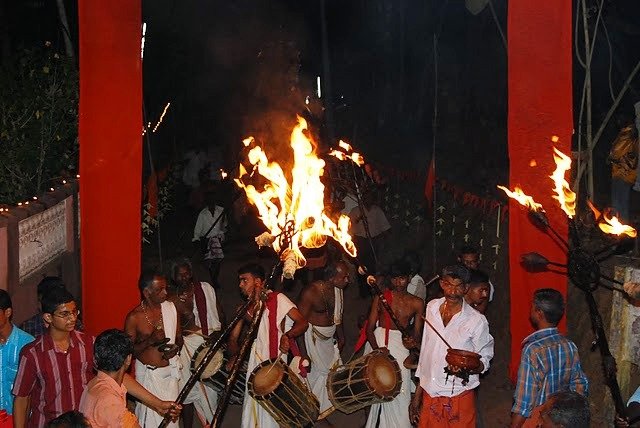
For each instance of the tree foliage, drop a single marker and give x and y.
(38, 122)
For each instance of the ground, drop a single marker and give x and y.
(496, 391)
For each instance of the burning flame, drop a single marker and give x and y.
(294, 212)
(355, 157)
(522, 198)
(611, 224)
(564, 195)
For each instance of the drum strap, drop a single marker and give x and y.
(362, 339)
(272, 307)
(388, 295)
(201, 304)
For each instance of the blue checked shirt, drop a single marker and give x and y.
(9, 360)
(549, 363)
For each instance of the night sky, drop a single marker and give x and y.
(231, 69)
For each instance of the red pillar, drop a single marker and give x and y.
(540, 106)
(110, 159)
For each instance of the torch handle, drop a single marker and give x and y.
(371, 280)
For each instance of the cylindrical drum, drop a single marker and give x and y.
(282, 393)
(370, 379)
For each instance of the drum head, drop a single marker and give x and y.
(266, 378)
(382, 374)
(213, 366)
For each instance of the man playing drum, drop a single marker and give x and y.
(321, 303)
(154, 328)
(272, 325)
(442, 399)
(200, 315)
(383, 333)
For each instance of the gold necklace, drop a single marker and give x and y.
(159, 325)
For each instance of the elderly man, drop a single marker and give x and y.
(200, 316)
(157, 337)
(321, 304)
(443, 400)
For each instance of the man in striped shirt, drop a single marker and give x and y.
(56, 367)
(549, 361)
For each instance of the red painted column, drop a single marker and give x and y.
(540, 106)
(110, 159)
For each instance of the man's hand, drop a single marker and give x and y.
(409, 342)
(284, 344)
(170, 353)
(414, 410)
(621, 422)
(168, 408)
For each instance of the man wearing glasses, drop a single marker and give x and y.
(56, 367)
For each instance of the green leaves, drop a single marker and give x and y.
(38, 123)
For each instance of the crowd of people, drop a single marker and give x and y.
(53, 374)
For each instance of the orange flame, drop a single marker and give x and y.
(344, 145)
(522, 198)
(564, 195)
(354, 156)
(611, 224)
(295, 208)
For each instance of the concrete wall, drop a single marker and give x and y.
(36, 240)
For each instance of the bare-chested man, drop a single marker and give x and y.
(200, 316)
(155, 330)
(383, 333)
(321, 304)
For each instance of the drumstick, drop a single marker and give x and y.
(436, 331)
(274, 362)
(326, 413)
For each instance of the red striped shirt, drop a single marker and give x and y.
(54, 380)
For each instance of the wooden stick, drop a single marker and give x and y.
(436, 332)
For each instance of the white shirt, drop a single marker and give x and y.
(417, 287)
(213, 318)
(467, 330)
(376, 220)
(204, 222)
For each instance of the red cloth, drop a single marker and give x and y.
(362, 337)
(458, 411)
(540, 106)
(388, 296)
(6, 420)
(430, 183)
(110, 127)
(54, 380)
(272, 307)
(201, 305)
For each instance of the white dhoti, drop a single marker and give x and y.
(253, 414)
(202, 396)
(324, 355)
(394, 413)
(160, 381)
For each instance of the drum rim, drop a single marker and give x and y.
(205, 344)
(283, 379)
